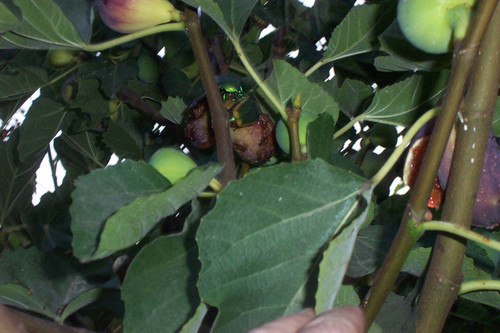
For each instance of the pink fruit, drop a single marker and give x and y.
(133, 15)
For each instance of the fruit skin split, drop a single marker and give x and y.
(128, 16)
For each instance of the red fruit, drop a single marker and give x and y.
(134, 15)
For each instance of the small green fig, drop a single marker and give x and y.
(61, 58)
(432, 25)
(172, 163)
(283, 138)
(128, 16)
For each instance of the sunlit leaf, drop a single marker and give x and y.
(259, 245)
(132, 222)
(44, 26)
(172, 262)
(101, 193)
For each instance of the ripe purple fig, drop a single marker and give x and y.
(128, 16)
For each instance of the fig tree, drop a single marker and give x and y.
(172, 163)
(433, 25)
(128, 16)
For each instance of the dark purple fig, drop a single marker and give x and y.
(255, 143)
(487, 207)
(198, 130)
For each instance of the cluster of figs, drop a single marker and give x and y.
(252, 131)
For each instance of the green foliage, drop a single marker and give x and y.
(117, 245)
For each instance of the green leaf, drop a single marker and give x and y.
(346, 295)
(81, 301)
(44, 26)
(193, 325)
(125, 140)
(400, 103)
(50, 280)
(16, 178)
(173, 109)
(42, 123)
(259, 245)
(351, 96)
(229, 15)
(336, 257)
(472, 273)
(101, 193)
(16, 295)
(416, 261)
(358, 31)
(132, 222)
(291, 82)
(20, 81)
(90, 101)
(371, 247)
(10, 16)
(112, 76)
(82, 152)
(172, 263)
(320, 137)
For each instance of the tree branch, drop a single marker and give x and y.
(220, 118)
(445, 271)
(463, 59)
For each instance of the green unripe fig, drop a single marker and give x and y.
(61, 58)
(173, 164)
(128, 16)
(433, 25)
(282, 135)
(149, 70)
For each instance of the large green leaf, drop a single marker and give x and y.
(42, 123)
(44, 26)
(259, 245)
(10, 16)
(172, 263)
(81, 153)
(20, 81)
(290, 82)
(101, 193)
(336, 257)
(400, 103)
(16, 178)
(359, 31)
(229, 15)
(132, 222)
(50, 281)
(351, 96)
(124, 139)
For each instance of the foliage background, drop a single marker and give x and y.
(119, 247)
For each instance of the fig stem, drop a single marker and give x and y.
(444, 274)
(463, 60)
(478, 285)
(178, 26)
(275, 101)
(293, 129)
(386, 168)
(460, 231)
(347, 126)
